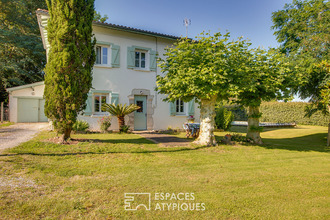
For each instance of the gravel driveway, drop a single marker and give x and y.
(13, 135)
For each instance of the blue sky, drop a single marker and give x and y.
(248, 18)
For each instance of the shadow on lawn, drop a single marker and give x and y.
(116, 141)
(313, 142)
(168, 150)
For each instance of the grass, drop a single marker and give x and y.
(5, 124)
(287, 178)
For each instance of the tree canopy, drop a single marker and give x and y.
(71, 58)
(206, 70)
(303, 29)
(22, 56)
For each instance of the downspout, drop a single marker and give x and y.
(156, 73)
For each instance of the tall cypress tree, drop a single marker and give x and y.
(71, 58)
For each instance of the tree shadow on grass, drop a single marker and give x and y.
(116, 141)
(136, 151)
(313, 142)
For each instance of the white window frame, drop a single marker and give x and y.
(102, 56)
(184, 105)
(146, 60)
(100, 104)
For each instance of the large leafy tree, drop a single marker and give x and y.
(303, 29)
(71, 58)
(266, 78)
(204, 69)
(22, 57)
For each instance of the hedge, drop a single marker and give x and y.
(281, 112)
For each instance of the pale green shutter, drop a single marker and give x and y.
(153, 60)
(130, 57)
(191, 107)
(89, 104)
(114, 98)
(115, 55)
(172, 109)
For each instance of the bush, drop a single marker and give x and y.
(282, 112)
(223, 118)
(80, 125)
(105, 123)
(124, 128)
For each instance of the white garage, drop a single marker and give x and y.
(26, 103)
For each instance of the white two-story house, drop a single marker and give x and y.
(124, 72)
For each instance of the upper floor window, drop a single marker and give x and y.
(102, 55)
(140, 59)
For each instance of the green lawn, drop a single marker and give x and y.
(287, 178)
(5, 124)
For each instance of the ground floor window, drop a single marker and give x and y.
(180, 106)
(99, 99)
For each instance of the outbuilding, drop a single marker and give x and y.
(26, 103)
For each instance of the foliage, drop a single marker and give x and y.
(22, 56)
(281, 112)
(240, 138)
(205, 69)
(105, 123)
(80, 125)
(124, 128)
(120, 111)
(70, 62)
(303, 29)
(98, 17)
(223, 118)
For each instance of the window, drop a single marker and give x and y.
(179, 106)
(99, 99)
(102, 55)
(140, 59)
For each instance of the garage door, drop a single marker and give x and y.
(31, 110)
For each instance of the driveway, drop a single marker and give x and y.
(13, 135)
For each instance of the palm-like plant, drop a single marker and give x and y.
(120, 111)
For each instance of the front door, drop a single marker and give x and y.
(140, 115)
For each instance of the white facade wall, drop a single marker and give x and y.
(123, 80)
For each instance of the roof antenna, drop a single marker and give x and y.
(186, 22)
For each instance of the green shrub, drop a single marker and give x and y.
(223, 118)
(124, 128)
(281, 112)
(80, 125)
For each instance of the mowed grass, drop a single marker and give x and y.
(287, 178)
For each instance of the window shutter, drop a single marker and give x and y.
(172, 109)
(130, 57)
(191, 107)
(89, 103)
(153, 60)
(114, 98)
(115, 55)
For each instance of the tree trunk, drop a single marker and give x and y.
(328, 140)
(206, 136)
(121, 121)
(253, 125)
(66, 135)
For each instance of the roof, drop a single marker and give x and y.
(25, 86)
(122, 28)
